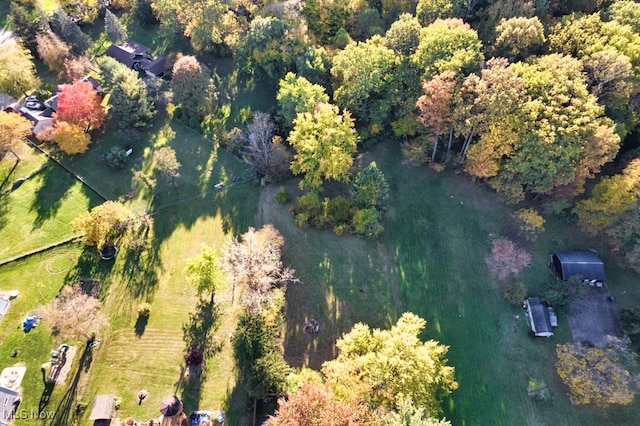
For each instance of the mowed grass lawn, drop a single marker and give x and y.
(134, 356)
(430, 261)
(38, 278)
(39, 211)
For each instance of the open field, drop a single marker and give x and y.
(430, 261)
(38, 212)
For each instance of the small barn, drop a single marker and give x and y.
(585, 264)
(102, 410)
(539, 317)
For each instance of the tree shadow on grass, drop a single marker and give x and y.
(90, 266)
(140, 326)
(66, 410)
(198, 334)
(56, 182)
(140, 266)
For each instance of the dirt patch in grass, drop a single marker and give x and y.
(593, 317)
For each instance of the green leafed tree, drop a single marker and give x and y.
(403, 36)
(192, 87)
(364, 74)
(297, 95)
(448, 44)
(626, 12)
(104, 223)
(17, 71)
(610, 198)
(69, 31)
(313, 64)
(548, 139)
(624, 232)
(167, 164)
(130, 104)
(409, 415)
(387, 367)
(27, 21)
(116, 31)
(370, 189)
(325, 142)
(519, 37)
(428, 11)
(270, 48)
(204, 271)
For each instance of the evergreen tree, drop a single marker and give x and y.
(130, 103)
(116, 32)
(64, 26)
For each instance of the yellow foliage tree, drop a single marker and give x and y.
(13, 128)
(103, 223)
(71, 138)
(530, 222)
(610, 198)
(596, 375)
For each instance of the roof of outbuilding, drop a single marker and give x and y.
(540, 321)
(102, 407)
(585, 264)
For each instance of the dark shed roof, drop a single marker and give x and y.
(585, 264)
(539, 320)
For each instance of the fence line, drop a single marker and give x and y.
(51, 157)
(40, 249)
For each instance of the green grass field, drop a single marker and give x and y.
(38, 212)
(430, 261)
(38, 278)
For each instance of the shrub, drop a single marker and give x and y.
(370, 188)
(506, 259)
(144, 310)
(341, 229)
(283, 196)
(302, 220)
(194, 123)
(338, 209)
(538, 390)
(310, 204)
(414, 152)
(116, 157)
(530, 223)
(514, 292)
(561, 293)
(366, 223)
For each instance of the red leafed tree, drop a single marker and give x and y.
(506, 259)
(315, 404)
(79, 104)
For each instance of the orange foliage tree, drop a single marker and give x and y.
(315, 404)
(71, 138)
(79, 104)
